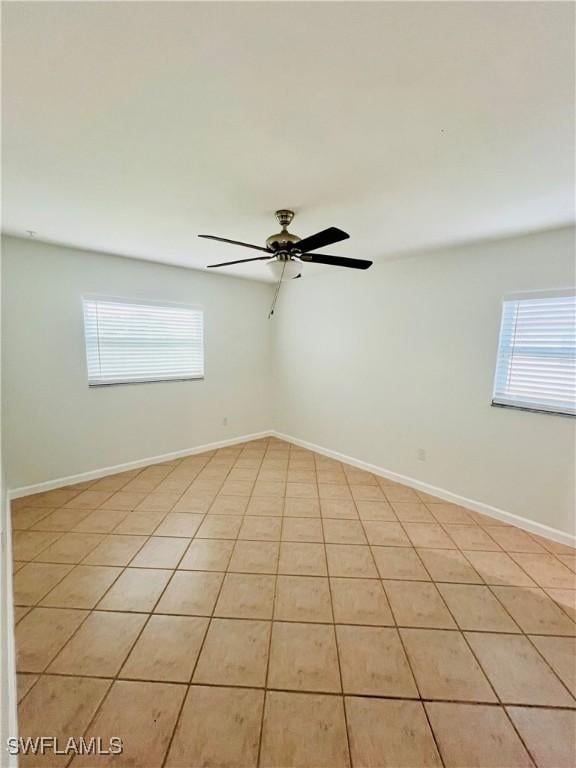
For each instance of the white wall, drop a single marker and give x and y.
(378, 364)
(55, 426)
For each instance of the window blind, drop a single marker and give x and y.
(536, 366)
(131, 341)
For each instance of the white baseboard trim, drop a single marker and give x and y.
(96, 474)
(477, 506)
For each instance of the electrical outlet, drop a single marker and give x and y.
(421, 454)
(225, 421)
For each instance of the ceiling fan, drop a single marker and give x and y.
(285, 252)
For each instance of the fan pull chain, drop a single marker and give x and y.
(275, 299)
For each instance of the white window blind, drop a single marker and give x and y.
(536, 365)
(131, 341)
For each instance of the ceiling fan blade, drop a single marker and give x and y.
(240, 261)
(235, 242)
(336, 261)
(320, 239)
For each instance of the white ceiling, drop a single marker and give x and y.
(132, 127)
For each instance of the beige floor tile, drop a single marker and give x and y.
(476, 736)
(303, 657)
(115, 550)
(137, 589)
(517, 672)
(412, 512)
(58, 706)
(237, 488)
(302, 559)
(218, 727)
(569, 561)
(303, 490)
(429, 535)
(304, 730)
(549, 734)
(269, 488)
(339, 508)
(219, 527)
(513, 539)
(26, 517)
(382, 533)
(546, 570)
(24, 683)
(145, 715)
(100, 521)
(235, 652)
(261, 528)
(60, 519)
(70, 548)
(565, 599)
(161, 552)
(398, 492)
(350, 560)
(229, 505)
(343, 531)
(449, 565)
(167, 649)
(472, 537)
(100, 645)
(375, 510)
(399, 563)
(365, 492)
(303, 476)
(560, 653)
(498, 568)
(26, 545)
(265, 505)
(328, 491)
(373, 662)
(41, 634)
(301, 507)
(124, 500)
(254, 557)
(140, 523)
(207, 555)
(390, 734)
(88, 499)
(34, 580)
(418, 604)
(19, 612)
(302, 598)
(246, 596)
(445, 667)
(534, 611)
(82, 587)
(360, 601)
(475, 607)
(335, 476)
(444, 512)
(191, 593)
(195, 501)
(302, 529)
(179, 524)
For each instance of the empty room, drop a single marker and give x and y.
(288, 385)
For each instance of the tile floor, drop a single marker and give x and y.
(265, 605)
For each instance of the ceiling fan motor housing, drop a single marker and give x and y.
(283, 240)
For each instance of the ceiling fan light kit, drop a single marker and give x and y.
(286, 253)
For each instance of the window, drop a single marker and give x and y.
(536, 367)
(132, 341)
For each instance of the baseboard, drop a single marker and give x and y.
(477, 506)
(96, 474)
